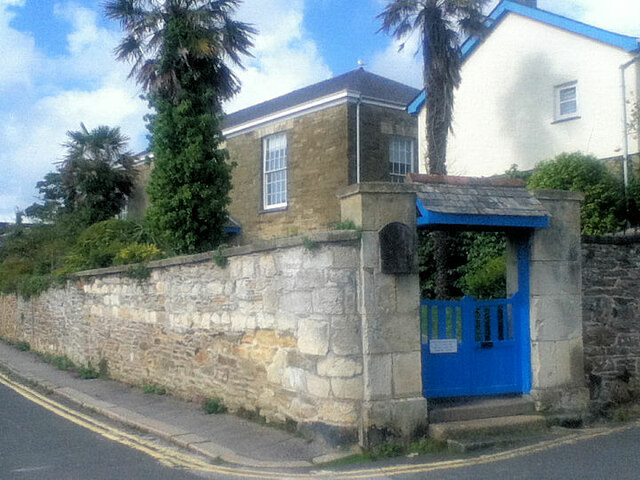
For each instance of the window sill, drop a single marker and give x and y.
(275, 209)
(568, 119)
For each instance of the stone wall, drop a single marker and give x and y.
(277, 331)
(389, 308)
(611, 316)
(555, 306)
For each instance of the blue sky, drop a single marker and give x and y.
(58, 69)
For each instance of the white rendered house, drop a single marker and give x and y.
(537, 85)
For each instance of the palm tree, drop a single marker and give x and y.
(168, 41)
(96, 174)
(439, 24)
(180, 50)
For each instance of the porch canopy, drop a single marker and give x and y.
(493, 202)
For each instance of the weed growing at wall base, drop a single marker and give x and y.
(219, 257)
(392, 449)
(310, 244)
(153, 388)
(213, 406)
(344, 225)
(88, 372)
(138, 272)
(61, 362)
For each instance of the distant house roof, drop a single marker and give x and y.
(359, 81)
(625, 42)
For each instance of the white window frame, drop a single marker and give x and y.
(270, 171)
(396, 175)
(559, 102)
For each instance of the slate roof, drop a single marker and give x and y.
(366, 83)
(477, 196)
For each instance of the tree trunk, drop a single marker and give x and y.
(443, 254)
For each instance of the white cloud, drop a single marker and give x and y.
(17, 51)
(33, 126)
(402, 66)
(620, 16)
(285, 57)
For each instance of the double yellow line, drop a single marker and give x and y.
(174, 458)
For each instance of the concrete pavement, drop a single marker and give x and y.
(218, 437)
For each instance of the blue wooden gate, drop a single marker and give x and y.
(471, 347)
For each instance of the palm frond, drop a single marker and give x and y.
(208, 36)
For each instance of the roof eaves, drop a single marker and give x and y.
(314, 105)
(625, 42)
(416, 104)
(293, 111)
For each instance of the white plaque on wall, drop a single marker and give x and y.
(445, 345)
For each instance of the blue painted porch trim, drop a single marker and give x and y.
(427, 217)
(416, 104)
(625, 42)
(524, 320)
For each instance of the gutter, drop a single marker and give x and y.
(358, 103)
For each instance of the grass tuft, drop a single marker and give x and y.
(153, 388)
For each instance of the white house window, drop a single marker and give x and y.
(275, 171)
(401, 158)
(566, 101)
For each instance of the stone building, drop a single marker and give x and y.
(294, 152)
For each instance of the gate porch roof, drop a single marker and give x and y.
(477, 202)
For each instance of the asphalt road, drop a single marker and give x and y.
(609, 457)
(38, 444)
(613, 456)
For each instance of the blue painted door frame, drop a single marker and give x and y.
(472, 347)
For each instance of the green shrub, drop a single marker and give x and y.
(603, 206)
(33, 285)
(213, 406)
(485, 271)
(488, 281)
(478, 264)
(98, 245)
(138, 253)
(23, 346)
(34, 250)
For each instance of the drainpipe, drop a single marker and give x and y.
(359, 102)
(625, 131)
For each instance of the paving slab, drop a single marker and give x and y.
(219, 437)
